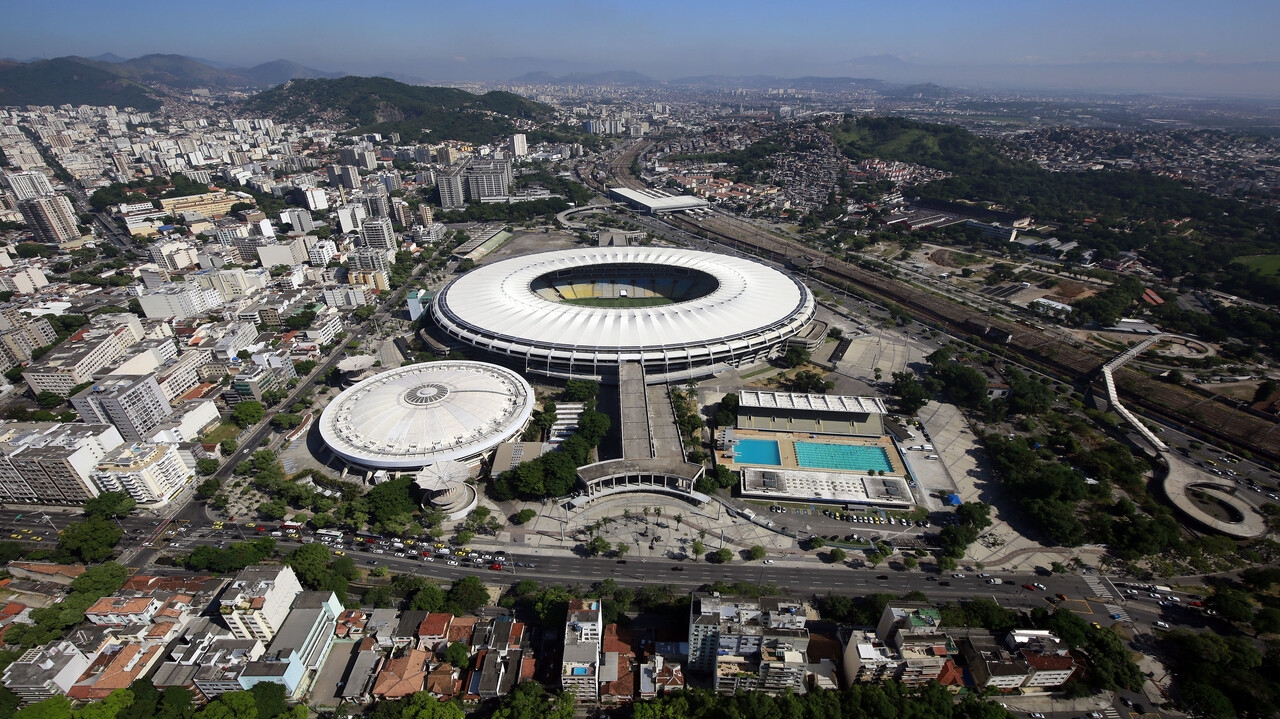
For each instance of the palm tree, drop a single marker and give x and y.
(626, 514)
(657, 512)
(679, 518)
(646, 511)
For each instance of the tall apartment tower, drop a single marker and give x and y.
(135, 405)
(491, 178)
(378, 233)
(427, 215)
(258, 600)
(52, 219)
(446, 155)
(299, 218)
(376, 205)
(28, 185)
(519, 146)
(452, 189)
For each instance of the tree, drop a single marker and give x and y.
(817, 542)
(756, 553)
(874, 558)
(795, 356)
(1232, 605)
(110, 505)
(229, 446)
(101, 580)
(621, 548)
(207, 466)
(208, 487)
(523, 516)
(910, 562)
(458, 655)
(91, 541)
(837, 555)
(598, 545)
(698, 548)
(49, 400)
(466, 595)
(912, 394)
(722, 556)
(286, 421)
(248, 413)
(378, 597)
(429, 597)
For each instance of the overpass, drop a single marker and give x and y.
(1181, 476)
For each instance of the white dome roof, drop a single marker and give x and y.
(415, 416)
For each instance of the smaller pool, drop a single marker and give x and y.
(757, 451)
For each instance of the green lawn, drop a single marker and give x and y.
(221, 432)
(619, 301)
(1266, 264)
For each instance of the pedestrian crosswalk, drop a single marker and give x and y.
(1098, 586)
(1115, 610)
(1111, 713)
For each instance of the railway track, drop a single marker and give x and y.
(1195, 411)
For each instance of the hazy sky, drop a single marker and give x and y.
(662, 38)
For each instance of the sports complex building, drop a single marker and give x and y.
(436, 413)
(580, 313)
(828, 449)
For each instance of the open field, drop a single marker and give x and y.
(1266, 264)
(221, 432)
(619, 302)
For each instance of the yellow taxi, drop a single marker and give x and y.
(339, 553)
(409, 542)
(217, 525)
(38, 539)
(438, 545)
(460, 553)
(250, 525)
(16, 536)
(26, 531)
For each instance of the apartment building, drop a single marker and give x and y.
(42, 672)
(299, 646)
(52, 219)
(21, 333)
(325, 327)
(580, 663)
(75, 362)
(150, 473)
(346, 296)
(134, 404)
(321, 251)
(173, 255)
(22, 280)
(51, 462)
(237, 282)
(288, 252)
(748, 643)
(378, 233)
(179, 301)
(258, 601)
(28, 185)
(299, 218)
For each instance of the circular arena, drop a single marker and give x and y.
(411, 417)
(580, 313)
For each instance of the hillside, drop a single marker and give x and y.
(186, 72)
(379, 104)
(946, 147)
(68, 80)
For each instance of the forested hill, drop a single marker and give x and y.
(69, 80)
(379, 104)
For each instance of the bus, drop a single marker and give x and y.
(291, 526)
(331, 533)
(368, 537)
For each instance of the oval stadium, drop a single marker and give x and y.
(580, 313)
(407, 418)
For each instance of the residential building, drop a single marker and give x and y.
(237, 282)
(173, 255)
(28, 185)
(22, 280)
(117, 611)
(519, 145)
(350, 218)
(488, 178)
(452, 187)
(321, 251)
(253, 381)
(368, 258)
(287, 252)
(299, 218)
(346, 296)
(179, 301)
(52, 219)
(135, 405)
(75, 362)
(150, 473)
(991, 664)
(325, 327)
(45, 671)
(748, 643)
(52, 463)
(580, 663)
(377, 233)
(188, 422)
(376, 205)
(402, 675)
(300, 646)
(258, 601)
(315, 199)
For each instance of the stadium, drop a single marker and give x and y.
(412, 417)
(580, 313)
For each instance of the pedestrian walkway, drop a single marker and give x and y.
(1098, 586)
(1116, 610)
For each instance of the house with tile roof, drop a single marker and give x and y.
(402, 675)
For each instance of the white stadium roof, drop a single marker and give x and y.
(415, 416)
(754, 307)
(654, 201)
(811, 402)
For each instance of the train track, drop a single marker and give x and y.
(1194, 411)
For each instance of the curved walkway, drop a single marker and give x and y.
(563, 217)
(1181, 475)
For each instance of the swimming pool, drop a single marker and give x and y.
(819, 455)
(757, 451)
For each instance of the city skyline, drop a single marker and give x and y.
(1141, 46)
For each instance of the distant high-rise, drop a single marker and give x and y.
(488, 178)
(422, 154)
(376, 205)
(377, 232)
(316, 199)
(344, 176)
(519, 146)
(446, 155)
(299, 218)
(135, 405)
(424, 211)
(451, 186)
(51, 219)
(28, 185)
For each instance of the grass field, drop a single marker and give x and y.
(221, 432)
(620, 302)
(1266, 264)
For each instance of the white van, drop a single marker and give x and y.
(926, 447)
(931, 456)
(916, 448)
